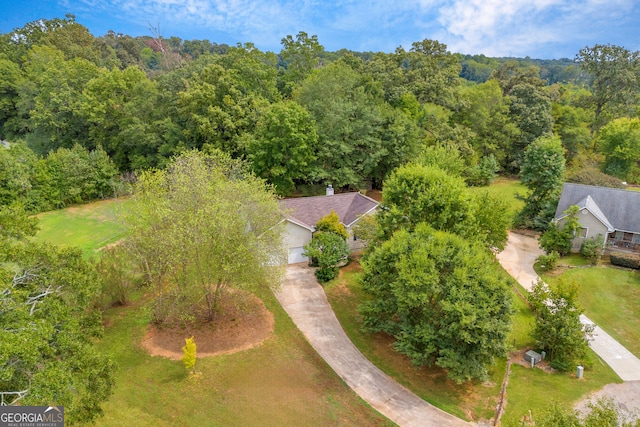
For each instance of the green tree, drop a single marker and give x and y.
(543, 173)
(300, 56)
(558, 329)
(558, 236)
(439, 296)
(620, 144)
(614, 71)
(202, 225)
(281, 150)
(360, 137)
(47, 327)
(328, 250)
(414, 193)
(120, 108)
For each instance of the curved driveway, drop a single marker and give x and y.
(306, 303)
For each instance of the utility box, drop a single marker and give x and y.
(580, 372)
(532, 357)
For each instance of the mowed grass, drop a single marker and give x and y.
(88, 227)
(534, 389)
(282, 382)
(611, 298)
(507, 189)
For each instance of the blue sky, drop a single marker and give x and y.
(537, 28)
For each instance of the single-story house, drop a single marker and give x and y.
(610, 212)
(303, 213)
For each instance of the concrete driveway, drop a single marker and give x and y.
(306, 303)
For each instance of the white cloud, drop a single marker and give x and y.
(513, 27)
(492, 27)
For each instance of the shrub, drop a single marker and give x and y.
(591, 249)
(548, 262)
(625, 260)
(329, 250)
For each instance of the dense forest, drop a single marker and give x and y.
(83, 114)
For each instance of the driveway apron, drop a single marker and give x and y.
(306, 303)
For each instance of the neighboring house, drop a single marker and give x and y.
(303, 213)
(610, 212)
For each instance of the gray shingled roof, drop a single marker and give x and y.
(621, 208)
(308, 210)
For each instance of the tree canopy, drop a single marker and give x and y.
(202, 225)
(439, 296)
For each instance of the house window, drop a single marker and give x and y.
(627, 237)
(582, 232)
(636, 238)
(619, 235)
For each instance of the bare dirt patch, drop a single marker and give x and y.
(244, 322)
(518, 359)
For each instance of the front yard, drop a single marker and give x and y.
(528, 389)
(610, 297)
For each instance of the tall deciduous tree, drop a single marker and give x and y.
(201, 226)
(300, 56)
(558, 329)
(441, 299)
(620, 143)
(359, 135)
(615, 72)
(543, 174)
(282, 147)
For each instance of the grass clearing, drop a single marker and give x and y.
(88, 227)
(507, 189)
(281, 382)
(611, 298)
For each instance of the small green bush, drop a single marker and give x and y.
(548, 262)
(591, 249)
(625, 260)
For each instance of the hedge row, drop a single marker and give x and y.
(625, 260)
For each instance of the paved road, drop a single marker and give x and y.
(518, 258)
(306, 303)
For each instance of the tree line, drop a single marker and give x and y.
(305, 116)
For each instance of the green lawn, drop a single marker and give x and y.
(506, 188)
(88, 227)
(611, 298)
(282, 382)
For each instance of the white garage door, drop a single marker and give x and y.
(295, 255)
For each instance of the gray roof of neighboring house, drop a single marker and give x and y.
(617, 209)
(306, 211)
